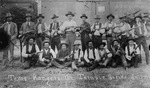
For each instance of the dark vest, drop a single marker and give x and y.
(129, 49)
(93, 53)
(52, 24)
(33, 50)
(47, 55)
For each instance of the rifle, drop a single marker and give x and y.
(14, 43)
(127, 30)
(20, 36)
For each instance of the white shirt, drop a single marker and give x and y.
(102, 52)
(97, 27)
(68, 24)
(51, 51)
(125, 27)
(8, 30)
(131, 48)
(91, 55)
(30, 48)
(76, 54)
(109, 25)
(39, 28)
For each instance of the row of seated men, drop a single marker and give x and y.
(91, 58)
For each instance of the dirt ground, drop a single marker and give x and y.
(16, 77)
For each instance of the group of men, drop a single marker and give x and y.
(122, 46)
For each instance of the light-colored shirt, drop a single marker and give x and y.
(97, 28)
(125, 27)
(24, 54)
(77, 54)
(8, 30)
(51, 51)
(109, 25)
(68, 24)
(39, 28)
(91, 55)
(131, 48)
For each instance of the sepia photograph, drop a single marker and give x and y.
(74, 43)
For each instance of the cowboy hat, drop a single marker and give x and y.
(110, 15)
(8, 15)
(30, 37)
(63, 43)
(46, 41)
(54, 16)
(77, 43)
(40, 15)
(28, 15)
(114, 41)
(131, 39)
(102, 43)
(84, 15)
(97, 17)
(69, 13)
(89, 42)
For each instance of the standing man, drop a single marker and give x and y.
(30, 53)
(85, 30)
(40, 28)
(68, 28)
(110, 26)
(97, 36)
(140, 33)
(27, 27)
(11, 29)
(55, 36)
(124, 30)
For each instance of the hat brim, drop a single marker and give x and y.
(55, 17)
(89, 41)
(103, 43)
(40, 16)
(9, 16)
(70, 14)
(131, 40)
(111, 16)
(30, 37)
(64, 44)
(28, 16)
(114, 41)
(84, 16)
(97, 18)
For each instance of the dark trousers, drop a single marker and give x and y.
(55, 42)
(86, 64)
(118, 60)
(124, 42)
(97, 40)
(30, 61)
(84, 38)
(145, 47)
(134, 61)
(109, 41)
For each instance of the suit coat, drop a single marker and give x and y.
(13, 30)
(25, 27)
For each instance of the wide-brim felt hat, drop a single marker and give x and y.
(54, 16)
(63, 43)
(77, 43)
(46, 41)
(70, 13)
(110, 15)
(30, 37)
(40, 15)
(131, 39)
(114, 41)
(102, 43)
(84, 15)
(28, 15)
(97, 17)
(89, 41)
(9, 15)
(137, 17)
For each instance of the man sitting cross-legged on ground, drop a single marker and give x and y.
(132, 53)
(47, 55)
(63, 56)
(90, 55)
(118, 53)
(77, 56)
(30, 53)
(105, 57)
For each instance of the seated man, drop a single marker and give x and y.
(30, 53)
(132, 53)
(77, 56)
(118, 55)
(90, 55)
(105, 57)
(47, 55)
(63, 56)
